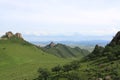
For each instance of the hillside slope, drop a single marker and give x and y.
(64, 51)
(104, 62)
(110, 52)
(19, 60)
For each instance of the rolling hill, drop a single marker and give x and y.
(64, 51)
(20, 60)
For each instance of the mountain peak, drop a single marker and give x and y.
(97, 49)
(64, 51)
(52, 44)
(116, 39)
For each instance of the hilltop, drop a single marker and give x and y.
(10, 35)
(19, 59)
(63, 51)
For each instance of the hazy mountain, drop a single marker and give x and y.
(64, 51)
(75, 37)
(89, 45)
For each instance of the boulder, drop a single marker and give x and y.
(9, 34)
(108, 78)
(99, 79)
(19, 35)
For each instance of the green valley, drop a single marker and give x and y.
(21, 60)
(102, 64)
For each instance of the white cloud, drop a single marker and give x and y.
(65, 13)
(104, 17)
(40, 33)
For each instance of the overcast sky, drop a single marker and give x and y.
(60, 17)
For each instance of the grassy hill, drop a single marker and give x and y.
(64, 51)
(104, 61)
(20, 60)
(111, 52)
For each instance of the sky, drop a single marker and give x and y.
(60, 18)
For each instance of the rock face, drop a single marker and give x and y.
(116, 39)
(19, 35)
(9, 34)
(52, 44)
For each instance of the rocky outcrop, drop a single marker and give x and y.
(108, 78)
(99, 79)
(116, 39)
(52, 44)
(19, 35)
(9, 35)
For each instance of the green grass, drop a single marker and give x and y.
(20, 60)
(89, 69)
(64, 51)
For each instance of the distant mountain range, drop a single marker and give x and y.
(76, 37)
(89, 45)
(74, 43)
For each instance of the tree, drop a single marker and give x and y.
(56, 69)
(66, 68)
(111, 56)
(75, 65)
(73, 76)
(44, 74)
